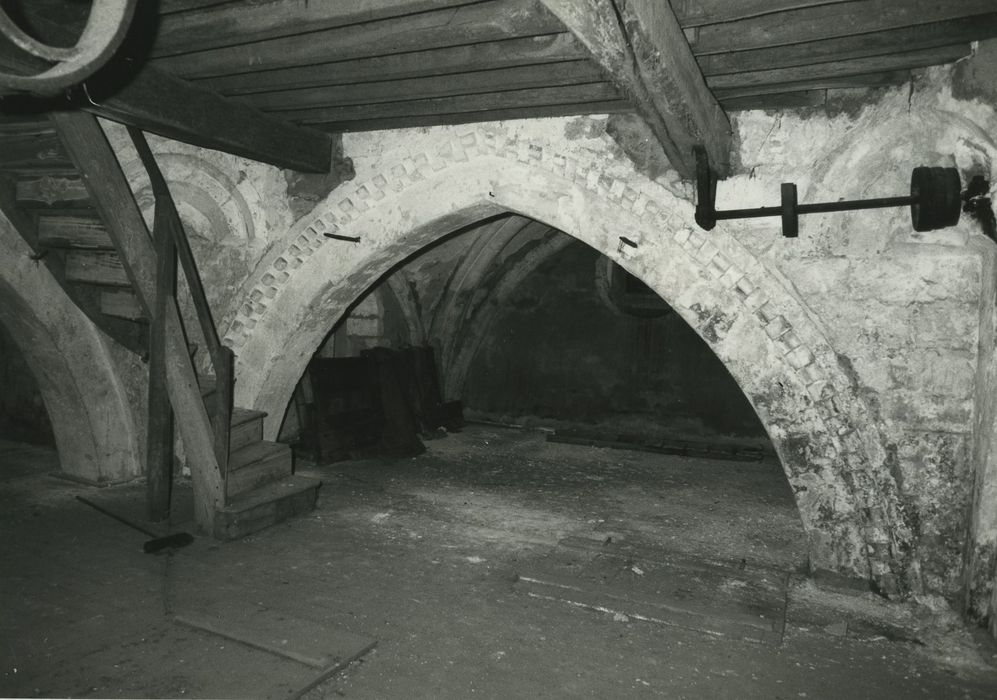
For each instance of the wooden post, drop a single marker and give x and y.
(159, 443)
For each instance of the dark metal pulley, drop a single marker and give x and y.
(935, 200)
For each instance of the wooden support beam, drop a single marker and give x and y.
(531, 112)
(841, 69)
(694, 13)
(471, 83)
(842, 19)
(787, 100)
(918, 37)
(211, 27)
(109, 190)
(869, 80)
(642, 49)
(490, 20)
(166, 105)
(510, 99)
(489, 55)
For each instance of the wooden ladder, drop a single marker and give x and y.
(97, 244)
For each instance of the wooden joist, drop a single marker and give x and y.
(490, 20)
(34, 152)
(786, 100)
(489, 55)
(468, 83)
(843, 19)
(121, 303)
(918, 37)
(166, 105)
(840, 69)
(531, 112)
(510, 99)
(51, 191)
(210, 27)
(642, 49)
(694, 13)
(868, 80)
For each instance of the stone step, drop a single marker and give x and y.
(121, 303)
(96, 267)
(247, 428)
(265, 506)
(79, 229)
(257, 464)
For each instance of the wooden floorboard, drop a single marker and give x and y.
(840, 69)
(510, 99)
(476, 82)
(491, 20)
(827, 22)
(489, 55)
(533, 112)
(920, 37)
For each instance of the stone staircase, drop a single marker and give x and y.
(257, 486)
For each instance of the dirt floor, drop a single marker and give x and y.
(495, 565)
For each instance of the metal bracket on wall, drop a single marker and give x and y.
(935, 200)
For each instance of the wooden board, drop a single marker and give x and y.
(841, 69)
(76, 230)
(312, 642)
(470, 83)
(924, 36)
(522, 99)
(484, 21)
(96, 267)
(797, 26)
(872, 80)
(670, 590)
(489, 55)
(121, 304)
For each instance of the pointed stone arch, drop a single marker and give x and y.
(751, 318)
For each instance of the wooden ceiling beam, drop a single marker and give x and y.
(489, 55)
(489, 20)
(841, 69)
(642, 49)
(160, 103)
(220, 25)
(925, 36)
(509, 99)
(503, 113)
(868, 80)
(842, 19)
(470, 83)
(783, 100)
(695, 13)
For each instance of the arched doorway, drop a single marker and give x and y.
(828, 445)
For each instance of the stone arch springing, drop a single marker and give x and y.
(95, 430)
(829, 446)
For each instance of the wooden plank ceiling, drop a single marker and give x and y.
(344, 66)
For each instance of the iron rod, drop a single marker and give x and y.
(819, 207)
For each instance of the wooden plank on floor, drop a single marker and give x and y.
(532, 112)
(490, 20)
(871, 80)
(924, 36)
(510, 99)
(477, 82)
(828, 21)
(841, 69)
(675, 592)
(313, 642)
(488, 55)
(245, 22)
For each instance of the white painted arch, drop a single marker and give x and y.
(830, 448)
